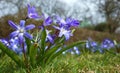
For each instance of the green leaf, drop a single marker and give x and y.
(42, 45)
(28, 43)
(43, 40)
(53, 48)
(64, 49)
(59, 40)
(52, 51)
(12, 55)
(33, 53)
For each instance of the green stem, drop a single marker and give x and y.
(26, 60)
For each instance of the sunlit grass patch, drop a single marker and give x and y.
(86, 62)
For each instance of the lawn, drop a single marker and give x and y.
(84, 63)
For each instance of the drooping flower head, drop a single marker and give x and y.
(32, 13)
(21, 30)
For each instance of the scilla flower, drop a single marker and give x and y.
(64, 32)
(107, 44)
(47, 20)
(67, 23)
(15, 45)
(21, 30)
(32, 13)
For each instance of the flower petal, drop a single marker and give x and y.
(22, 23)
(75, 23)
(34, 15)
(28, 8)
(12, 24)
(14, 33)
(56, 27)
(48, 21)
(29, 27)
(21, 38)
(28, 35)
(49, 37)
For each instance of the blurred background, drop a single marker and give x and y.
(99, 18)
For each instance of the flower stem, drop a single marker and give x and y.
(26, 60)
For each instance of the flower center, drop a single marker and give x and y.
(21, 30)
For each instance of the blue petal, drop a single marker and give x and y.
(60, 34)
(28, 35)
(56, 27)
(29, 27)
(22, 23)
(75, 23)
(12, 24)
(29, 8)
(50, 38)
(13, 34)
(35, 15)
(21, 38)
(67, 36)
(48, 21)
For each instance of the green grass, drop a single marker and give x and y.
(84, 63)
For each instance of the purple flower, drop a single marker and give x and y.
(48, 21)
(13, 44)
(21, 30)
(67, 23)
(64, 32)
(107, 44)
(5, 42)
(49, 36)
(76, 50)
(72, 22)
(90, 44)
(32, 13)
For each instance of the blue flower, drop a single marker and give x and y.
(64, 32)
(107, 44)
(32, 13)
(5, 42)
(72, 22)
(92, 45)
(46, 20)
(67, 23)
(77, 51)
(15, 45)
(21, 30)
(49, 36)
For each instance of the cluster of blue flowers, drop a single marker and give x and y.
(93, 46)
(16, 40)
(106, 44)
